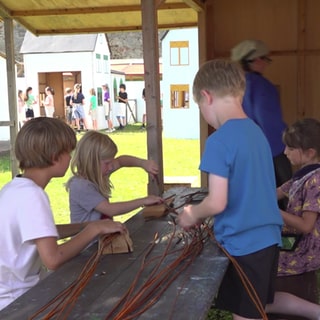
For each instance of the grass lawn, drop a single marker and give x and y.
(129, 183)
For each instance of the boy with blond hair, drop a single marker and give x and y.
(241, 197)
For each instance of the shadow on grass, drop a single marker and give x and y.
(130, 128)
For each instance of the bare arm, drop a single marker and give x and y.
(280, 194)
(213, 204)
(149, 166)
(54, 255)
(116, 208)
(68, 230)
(304, 224)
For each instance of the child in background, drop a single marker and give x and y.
(296, 271)
(69, 111)
(49, 102)
(107, 107)
(28, 233)
(21, 109)
(30, 101)
(93, 108)
(122, 104)
(90, 187)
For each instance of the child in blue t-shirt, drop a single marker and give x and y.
(241, 190)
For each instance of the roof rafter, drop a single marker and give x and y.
(195, 4)
(108, 29)
(91, 10)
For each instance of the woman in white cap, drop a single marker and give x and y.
(261, 103)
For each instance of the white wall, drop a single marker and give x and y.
(4, 104)
(180, 123)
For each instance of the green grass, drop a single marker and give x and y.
(129, 183)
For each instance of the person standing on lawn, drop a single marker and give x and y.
(29, 235)
(90, 187)
(107, 107)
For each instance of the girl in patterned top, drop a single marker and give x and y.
(296, 270)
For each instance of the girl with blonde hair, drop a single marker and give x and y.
(90, 187)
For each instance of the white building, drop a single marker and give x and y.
(60, 61)
(180, 63)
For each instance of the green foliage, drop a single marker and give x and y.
(215, 314)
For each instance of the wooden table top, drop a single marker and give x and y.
(189, 296)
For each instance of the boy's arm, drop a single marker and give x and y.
(213, 204)
(69, 230)
(54, 255)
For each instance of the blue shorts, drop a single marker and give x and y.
(78, 111)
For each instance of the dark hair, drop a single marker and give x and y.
(303, 134)
(26, 98)
(50, 89)
(123, 86)
(245, 64)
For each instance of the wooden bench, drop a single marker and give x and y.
(189, 297)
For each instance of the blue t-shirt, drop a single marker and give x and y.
(251, 221)
(79, 98)
(261, 103)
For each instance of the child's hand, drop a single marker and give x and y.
(186, 220)
(151, 167)
(151, 200)
(109, 226)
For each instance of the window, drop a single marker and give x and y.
(179, 53)
(99, 96)
(179, 96)
(98, 63)
(105, 64)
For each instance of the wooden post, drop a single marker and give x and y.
(301, 60)
(152, 90)
(12, 92)
(204, 52)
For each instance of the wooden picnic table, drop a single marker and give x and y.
(189, 297)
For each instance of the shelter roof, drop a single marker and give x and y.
(94, 16)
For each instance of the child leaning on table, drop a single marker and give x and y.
(90, 187)
(241, 190)
(28, 234)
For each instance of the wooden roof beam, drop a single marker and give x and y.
(105, 29)
(91, 10)
(195, 4)
(4, 11)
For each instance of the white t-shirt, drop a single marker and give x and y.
(25, 215)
